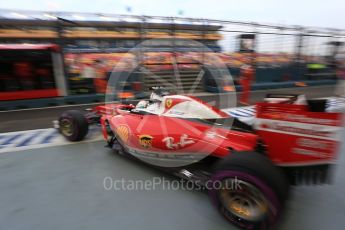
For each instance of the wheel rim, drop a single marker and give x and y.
(244, 200)
(66, 127)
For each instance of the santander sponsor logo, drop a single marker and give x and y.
(305, 129)
(300, 118)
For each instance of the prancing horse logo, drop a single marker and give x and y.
(168, 103)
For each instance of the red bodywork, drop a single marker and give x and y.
(171, 135)
(292, 135)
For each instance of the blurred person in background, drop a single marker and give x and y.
(42, 76)
(74, 65)
(100, 81)
(246, 79)
(88, 70)
(24, 72)
(340, 73)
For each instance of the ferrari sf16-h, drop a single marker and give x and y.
(289, 143)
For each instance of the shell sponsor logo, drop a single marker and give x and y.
(123, 132)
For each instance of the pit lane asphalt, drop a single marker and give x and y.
(62, 188)
(42, 118)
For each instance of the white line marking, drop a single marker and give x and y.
(32, 139)
(52, 107)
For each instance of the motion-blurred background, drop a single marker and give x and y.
(60, 52)
(57, 55)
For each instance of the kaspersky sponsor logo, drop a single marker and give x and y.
(312, 153)
(315, 148)
(315, 144)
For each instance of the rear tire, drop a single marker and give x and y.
(73, 125)
(257, 192)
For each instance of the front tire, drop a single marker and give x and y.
(73, 125)
(251, 191)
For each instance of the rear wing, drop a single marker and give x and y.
(296, 137)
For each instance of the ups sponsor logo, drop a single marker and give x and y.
(145, 141)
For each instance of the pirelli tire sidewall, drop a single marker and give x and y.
(260, 172)
(79, 125)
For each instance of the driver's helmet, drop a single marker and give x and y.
(158, 93)
(142, 104)
(155, 97)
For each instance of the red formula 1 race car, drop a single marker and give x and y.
(287, 145)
